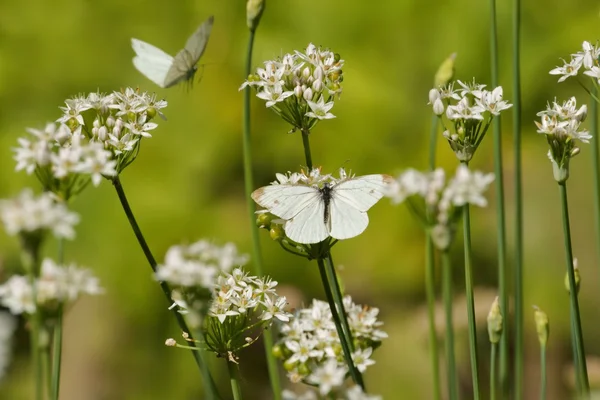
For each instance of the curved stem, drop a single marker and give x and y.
(430, 293)
(354, 373)
(306, 144)
(210, 388)
(234, 380)
(518, 274)
(249, 187)
(500, 211)
(449, 308)
(579, 350)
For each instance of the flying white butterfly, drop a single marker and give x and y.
(316, 211)
(165, 70)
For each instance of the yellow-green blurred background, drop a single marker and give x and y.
(187, 182)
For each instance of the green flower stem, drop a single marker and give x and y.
(46, 365)
(518, 273)
(30, 260)
(354, 372)
(493, 356)
(448, 308)
(543, 373)
(210, 389)
(593, 116)
(433, 141)
(234, 380)
(578, 380)
(57, 336)
(500, 210)
(430, 294)
(257, 254)
(576, 332)
(339, 300)
(306, 144)
(470, 300)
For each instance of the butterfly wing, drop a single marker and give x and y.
(350, 201)
(196, 44)
(151, 61)
(308, 226)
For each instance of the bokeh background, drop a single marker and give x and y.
(187, 182)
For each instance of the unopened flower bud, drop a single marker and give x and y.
(434, 94)
(454, 137)
(110, 121)
(96, 123)
(575, 151)
(102, 133)
(446, 134)
(276, 232)
(298, 91)
(306, 73)
(494, 322)
(317, 85)
(318, 73)
(254, 10)
(577, 278)
(170, 342)
(336, 58)
(308, 94)
(438, 107)
(581, 114)
(445, 72)
(542, 325)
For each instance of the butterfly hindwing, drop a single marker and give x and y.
(151, 61)
(196, 44)
(285, 201)
(308, 226)
(345, 220)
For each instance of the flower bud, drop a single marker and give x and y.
(574, 151)
(96, 123)
(445, 72)
(276, 232)
(577, 278)
(277, 351)
(438, 107)
(306, 73)
(110, 121)
(102, 133)
(170, 342)
(542, 325)
(308, 94)
(434, 94)
(263, 220)
(494, 322)
(317, 85)
(254, 10)
(318, 73)
(336, 58)
(289, 366)
(298, 91)
(581, 113)
(446, 134)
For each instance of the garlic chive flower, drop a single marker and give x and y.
(56, 286)
(8, 325)
(345, 393)
(586, 59)
(468, 111)
(561, 124)
(28, 215)
(311, 349)
(437, 203)
(97, 136)
(300, 87)
(242, 307)
(192, 272)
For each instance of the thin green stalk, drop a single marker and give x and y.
(470, 301)
(256, 252)
(57, 335)
(593, 117)
(518, 273)
(46, 365)
(576, 332)
(433, 141)
(306, 145)
(354, 372)
(430, 294)
(501, 218)
(543, 372)
(234, 380)
(338, 299)
(578, 380)
(448, 308)
(493, 356)
(210, 389)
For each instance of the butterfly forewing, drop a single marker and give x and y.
(362, 192)
(285, 201)
(196, 44)
(183, 68)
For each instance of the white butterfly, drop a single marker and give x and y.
(165, 70)
(313, 213)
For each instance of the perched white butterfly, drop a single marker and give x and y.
(165, 70)
(313, 212)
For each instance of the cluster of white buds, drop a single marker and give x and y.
(97, 136)
(561, 124)
(312, 351)
(55, 286)
(192, 272)
(469, 111)
(437, 203)
(586, 58)
(300, 87)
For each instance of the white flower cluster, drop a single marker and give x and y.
(353, 393)
(239, 294)
(310, 178)
(561, 124)
(8, 324)
(311, 348)
(198, 264)
(586, 58)
(27, 214)
(56, 285)
(300, 87)
(97, 136)
(439, 204)
(470, 110)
